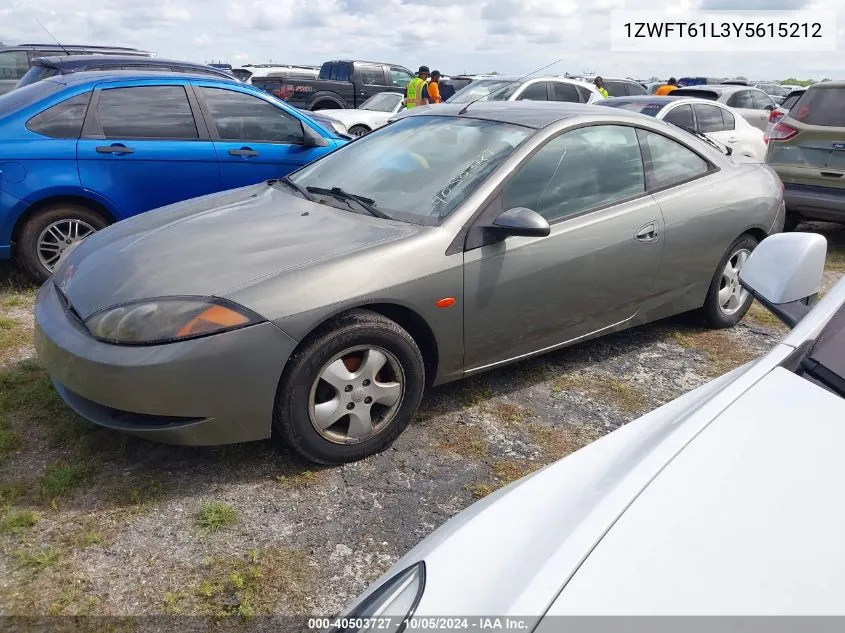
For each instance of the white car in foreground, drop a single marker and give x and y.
(372, 114)
(726, 501)
(718, 121)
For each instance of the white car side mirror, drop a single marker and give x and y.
(785, 274)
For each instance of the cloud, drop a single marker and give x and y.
(752, 5)
(511, 36)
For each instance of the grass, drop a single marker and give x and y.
(479, 489)
(301, 480)
(624, 396)
(510, 413)
(61, 479)
(38, 560)
(140, 496)
(12, 491)
(18, 521)
(465, 440)
(251, 584)
(7, 322)
(9, 440)
(213, 516)
(760, 315)
(721, 351)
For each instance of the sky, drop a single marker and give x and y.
(476, 36)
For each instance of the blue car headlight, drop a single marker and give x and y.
(167, 319)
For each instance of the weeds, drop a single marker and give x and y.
(213, 516)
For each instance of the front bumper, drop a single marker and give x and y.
(820, 203)
(219, 389)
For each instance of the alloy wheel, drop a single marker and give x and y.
(732, 296)
(59, 236)
(356, 395)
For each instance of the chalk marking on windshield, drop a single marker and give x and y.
(540, 201)
(442, 195)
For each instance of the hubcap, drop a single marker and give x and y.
(357, 132)
(356, 395)
(58, 237)
(732, 295)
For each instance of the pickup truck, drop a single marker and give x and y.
(341, 84)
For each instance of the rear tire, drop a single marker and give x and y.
(727, 302)
(359, 369)
(50, 231)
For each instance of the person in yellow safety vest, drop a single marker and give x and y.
(414, 92)
(599, 82)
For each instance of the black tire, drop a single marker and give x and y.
(26, 248)
(792, 221)
(359, 130)
(325, 105)
(712, 313)
(292, 419)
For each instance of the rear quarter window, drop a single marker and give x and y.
(63, 120)
(821, 106)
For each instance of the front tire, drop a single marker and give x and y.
(727, 301)
(359, 130)
(791, 222)
(49, 232)
(350, 389)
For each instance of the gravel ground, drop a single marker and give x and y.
(92, 522)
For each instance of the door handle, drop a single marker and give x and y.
(830, 174)
(114, 149)
(731, 139)
(244, 151)
(648, 233)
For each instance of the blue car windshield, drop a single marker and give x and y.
(418, 169)
(22, 97)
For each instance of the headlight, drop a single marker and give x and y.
(167, 319)
(396, 600)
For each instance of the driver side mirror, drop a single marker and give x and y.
(785, 274)
(311, 138)
(520, 221)
(769, 107)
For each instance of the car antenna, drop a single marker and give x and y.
(53, 36)
(489, 94)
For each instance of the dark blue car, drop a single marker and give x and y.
(81, 151)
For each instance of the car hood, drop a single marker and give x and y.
(619, 528)
(210, 244)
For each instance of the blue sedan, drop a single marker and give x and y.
(79, 152)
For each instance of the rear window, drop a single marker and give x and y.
(241, 73)
(63, 120)
(710, 95)
(17, 99)
(791, 100)
(821, 106)
(650, 108)
(37, 73)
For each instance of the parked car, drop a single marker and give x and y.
(777, 92)
(449, 85)
(652, 87)
(325, 303)
(549, 88)
(777, 114)
(699, 508)
(372, 114)
(44, 67)
(15, 61)
(807, 150)
(699, 81)
(714, 119)
(753, 104)
(615, 86)
(341, 84)
(249, 72)
(81, 151)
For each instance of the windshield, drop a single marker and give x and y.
(37, 73)
(650, 108)
(417, 169)
(481, 90)
(825, 363)
(241, 74)
(382, 102)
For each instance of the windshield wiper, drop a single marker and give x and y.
(368, 204)
(290, 183)
(722, 148)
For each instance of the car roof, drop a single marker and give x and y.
(533, 114)
(828, 84)
(94, 76)
(81, 61)
(643, 99)
(73, 47)
(720, 88)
